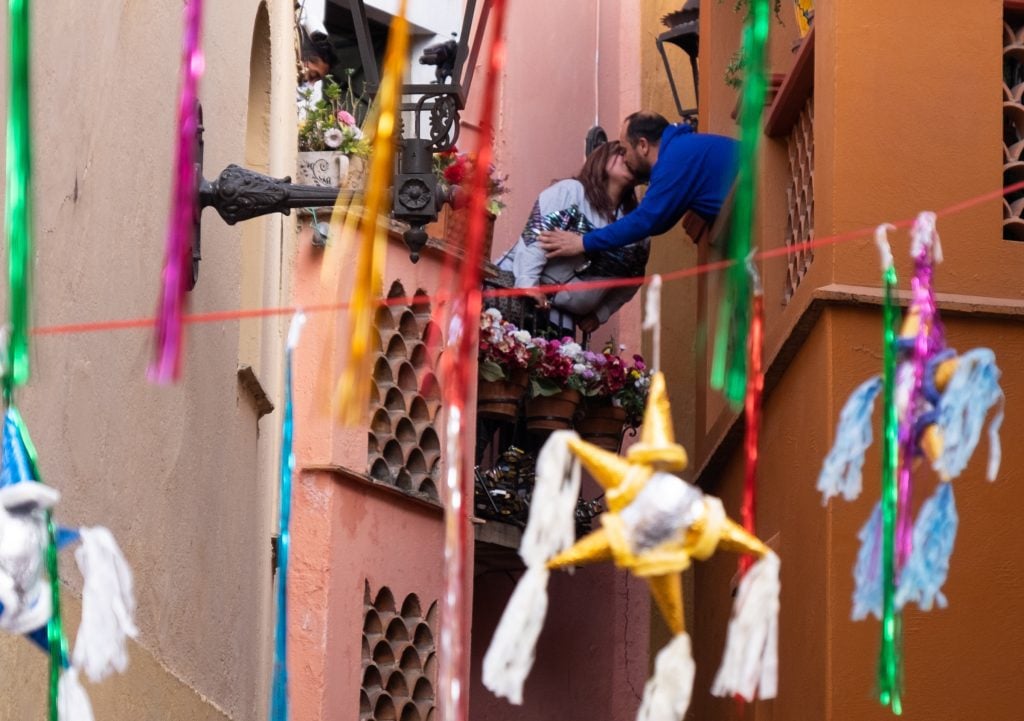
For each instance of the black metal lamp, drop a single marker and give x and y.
(240, 194)
(683, 32)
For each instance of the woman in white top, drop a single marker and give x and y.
(603, 191)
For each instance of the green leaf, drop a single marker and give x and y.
(491, 371)
(544, 387)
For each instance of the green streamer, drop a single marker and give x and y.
(890, 661)
(729, 366)
(55, 628)
(18, 209)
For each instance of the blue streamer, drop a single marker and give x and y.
(972, 391)
(867, 574)
(16, 466)
(928, 566)
(841, 472)
(279, 693)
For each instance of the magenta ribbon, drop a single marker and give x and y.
(166, 365)
(926, 343)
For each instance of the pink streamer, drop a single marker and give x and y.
(927, 342)
(166, 365)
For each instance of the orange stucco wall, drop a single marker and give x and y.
(907, 118)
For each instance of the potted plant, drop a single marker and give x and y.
(503, 358)
(614, 400)
(331, 144)
(559, 374)
(454, 170)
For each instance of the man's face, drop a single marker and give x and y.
(314, 70)
(637, 157)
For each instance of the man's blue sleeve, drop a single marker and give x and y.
(668, 197)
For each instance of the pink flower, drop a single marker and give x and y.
(345, 118)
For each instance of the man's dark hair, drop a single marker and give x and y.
(318, 46)
(643, 124)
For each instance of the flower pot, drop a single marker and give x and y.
(323, 168)
(456, 230)
(552, 413)
(356, 177)
(602, 425)
(499, 400)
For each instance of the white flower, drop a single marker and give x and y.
(333, 138)
(522, 336)
(578, 368)
(494, 314)
(571, 350)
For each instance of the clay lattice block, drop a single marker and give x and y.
(399, 658)
(405, 400)
(1013, 125)
(800, 199)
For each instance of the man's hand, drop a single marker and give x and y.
(560, 243)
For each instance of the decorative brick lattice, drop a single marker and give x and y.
(399, 659)
(404, 446)
(800, 199)
(1013, 125)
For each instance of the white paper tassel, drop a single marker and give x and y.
(667, 693)
(108, 606)
(552, 528)
(750, 665)
(72, 700)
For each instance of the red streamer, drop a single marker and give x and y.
(458, 375)
(752, 415)
(166, 365)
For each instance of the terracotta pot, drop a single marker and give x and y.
(499, 400)
(456, 226)
(323, 168)
(552, 413)
(602, 425)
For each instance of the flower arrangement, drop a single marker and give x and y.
(560, 364)
(454, 169)
(329, 126)
(503, 347)
(611, 379)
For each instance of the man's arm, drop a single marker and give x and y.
(669, 195)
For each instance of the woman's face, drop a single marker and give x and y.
(616, 167)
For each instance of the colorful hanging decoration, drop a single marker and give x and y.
(936, 404)
(656, 525)
(729, 366)
(459, 317)
(166, 364)
(18, 205)
(752, 408)
(30, 585)
(373, 228)
(279, 686)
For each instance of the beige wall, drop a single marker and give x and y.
(182, 475)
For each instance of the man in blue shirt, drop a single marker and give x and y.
(684, 170)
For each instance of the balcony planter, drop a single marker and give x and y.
(323, 168)
(602, 424)
(552, 413)
(499, 399)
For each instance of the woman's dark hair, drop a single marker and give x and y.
(318, 46)
(594, 178)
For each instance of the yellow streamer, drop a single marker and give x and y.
(351, 392)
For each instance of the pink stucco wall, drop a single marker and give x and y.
(593, 655)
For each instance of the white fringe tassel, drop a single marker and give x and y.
(667, 693)
(750, 665)
(552, 528)
(72, 700)
(108, 606)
